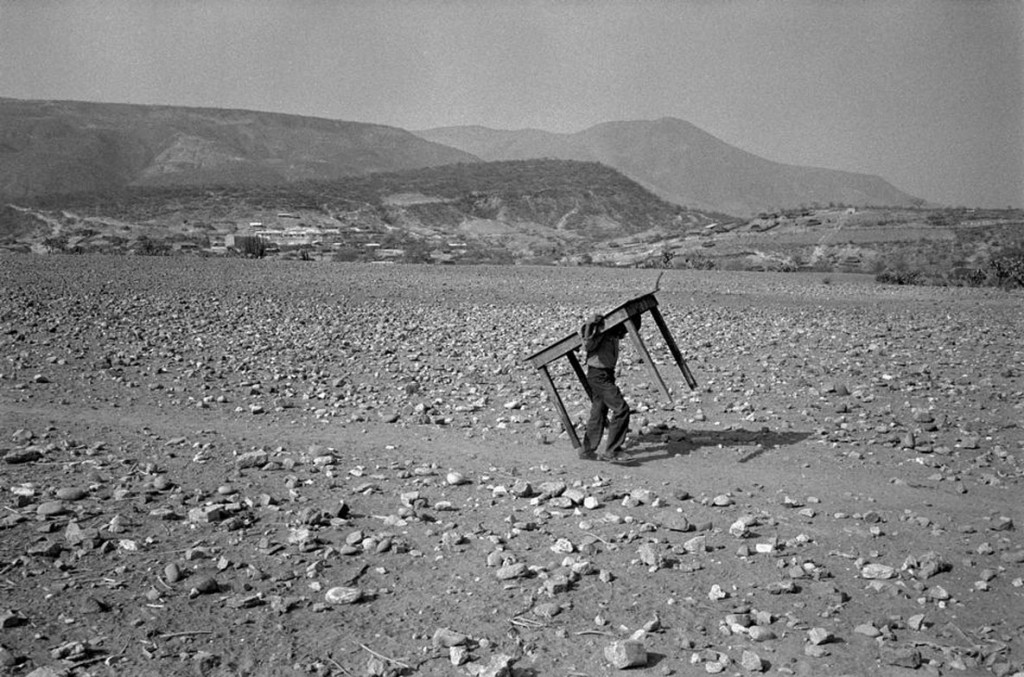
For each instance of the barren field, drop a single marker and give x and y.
(233, 467)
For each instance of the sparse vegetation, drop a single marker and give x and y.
(1007, 268)
(251, 246)
(694, 261)
(1004, 270)
(148, 247)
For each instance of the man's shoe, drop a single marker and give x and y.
(612, 458)
(587, 456)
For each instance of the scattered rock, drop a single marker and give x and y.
(11, 619)
(252, 459)
(204, 585)
(446, 637)
(625, 654)
(818, 636)
(906, 657)
(511, 571)
(343, 595)
(878, 571)
(752, 662)
(51, 508)
(27, 455)
(498, 666)
(867, 629)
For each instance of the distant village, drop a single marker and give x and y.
(359, 239)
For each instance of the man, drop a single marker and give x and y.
(602, 355)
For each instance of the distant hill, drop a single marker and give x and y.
(683, 164)
(522, 211)
(62, 147)
(527, 210)
(65, 147)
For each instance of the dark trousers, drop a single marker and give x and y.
(605, 397)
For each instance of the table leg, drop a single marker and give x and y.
(580, 374)
(674, 349)
(557, 399)
(648, 362)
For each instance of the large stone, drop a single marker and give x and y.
(557, 584)
(71, 493)
(16, 456)
(551, 488)
(204, 585)
(697, 544)
(7, 659)
(76, 535)
(510, 571)
(498, 666)
(649, 555)
(47, 671)
(676, 522)
(521, 489)
(868, 630)
(760, 634)
(906, 657)
(927, 565)
(1013, 557)
(11, 619)
(51, 508)
(547, 610)
(446, 638)
(252, 459)
(877, 571)
(343, 595)
(458, 655)
(752, 662)
(817, 636)
(628, 653)
(456, 479)
(207, 514)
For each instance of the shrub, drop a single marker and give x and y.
(694, 261)
(349, 254)
(968, 277)
(1007, 268)
(57, 243)
(899, 277)
(147, 247)
(251, 246)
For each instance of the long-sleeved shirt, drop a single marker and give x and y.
(602, 350)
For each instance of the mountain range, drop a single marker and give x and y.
(682, 164)
(71, 147)
(49, 147)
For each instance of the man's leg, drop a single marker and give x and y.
(598, 413)
(618, 426)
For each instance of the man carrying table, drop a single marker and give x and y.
(602, 356)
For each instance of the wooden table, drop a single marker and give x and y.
(567, 347)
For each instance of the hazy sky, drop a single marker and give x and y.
(929, 94)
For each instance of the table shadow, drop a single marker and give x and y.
(650, 447)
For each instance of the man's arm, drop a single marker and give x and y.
(591, 333)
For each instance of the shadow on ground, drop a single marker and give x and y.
(753, 443)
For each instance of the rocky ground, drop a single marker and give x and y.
(228, 467)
